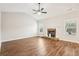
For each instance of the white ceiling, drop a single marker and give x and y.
(53, 9)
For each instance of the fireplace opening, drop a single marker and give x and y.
(51, 32)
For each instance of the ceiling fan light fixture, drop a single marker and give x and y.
(39, 13)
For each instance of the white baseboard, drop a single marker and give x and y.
(70, 40)
(17, 38)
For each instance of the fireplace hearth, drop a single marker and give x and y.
(51, 32)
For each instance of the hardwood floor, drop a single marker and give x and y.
(0, 50)
(37, 46)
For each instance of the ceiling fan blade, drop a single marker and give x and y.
(35, 13)
(34, 10)
(42, 9)
(44, 12)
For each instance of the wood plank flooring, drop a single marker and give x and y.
(37, 46)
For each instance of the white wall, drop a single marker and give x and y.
(0, 29)
(59, 23)
(16, 25)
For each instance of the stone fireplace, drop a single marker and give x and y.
(51, 32)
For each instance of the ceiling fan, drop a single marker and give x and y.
(40, 10)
